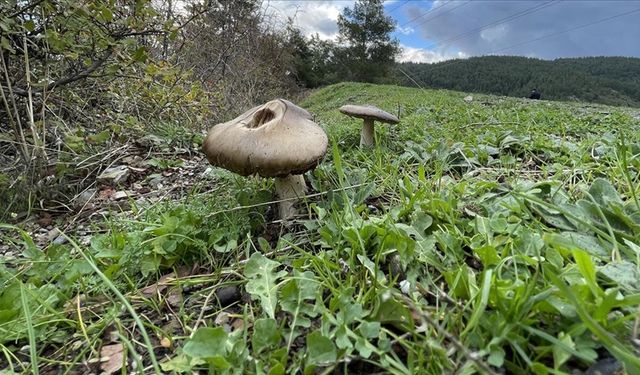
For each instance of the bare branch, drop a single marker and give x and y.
(68, 79)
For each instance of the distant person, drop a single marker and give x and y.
(534, 94)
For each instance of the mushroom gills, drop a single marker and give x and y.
(289, 189)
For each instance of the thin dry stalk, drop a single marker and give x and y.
(15, 122)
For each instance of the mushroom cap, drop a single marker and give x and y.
(369, 112)
(275, 139)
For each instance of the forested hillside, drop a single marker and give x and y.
(608, 80)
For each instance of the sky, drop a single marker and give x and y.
(437, 30)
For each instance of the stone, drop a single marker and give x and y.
(114, 175)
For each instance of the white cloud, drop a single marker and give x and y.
(405, 30)
(520, 27)
(421, 55)
(494, 33)
(312, 17)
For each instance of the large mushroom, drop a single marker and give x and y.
(277, 139)
(369, 114)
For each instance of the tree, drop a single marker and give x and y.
(312, 59)
(367, 50)
(236, 53)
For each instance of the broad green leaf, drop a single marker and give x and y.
(265, 334)
(349, 310)
(575, 240)
(297, 297)
(341, 337)
(369, 330)
(207, 343)
(261, 282)
(604, 193)
(181, 363)
(364, 347)
(496, 356)
(277, 369)
(483, 225)
(320, 349)
(422, 222)
(560, 355)
(626, 274)
(488, 255)
(392, 311)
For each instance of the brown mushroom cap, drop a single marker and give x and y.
(369, 112)
(275, 139)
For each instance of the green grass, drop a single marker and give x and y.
(501, 235)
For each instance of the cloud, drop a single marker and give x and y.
(421, 55)
(312, 17)
(405, 30)
(463, 29)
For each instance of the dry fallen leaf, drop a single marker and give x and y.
(158, 287)
(106, 193)
(45, 220)
(174, 296)
(161, 285)
(111, 357)
(238, 324)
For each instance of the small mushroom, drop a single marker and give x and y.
(369, 114)
(277, 139)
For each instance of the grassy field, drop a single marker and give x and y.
(499, 235)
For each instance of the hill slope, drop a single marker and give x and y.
(607, 80)
(497, 236)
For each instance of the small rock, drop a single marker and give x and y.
(119, 195)
(132, 160)
(83, 198)
(60, 240)
(155, 183)
(114, 175)
(468, 98)
(150, 140)
(142, 202)
(52, 234)
(222, 318)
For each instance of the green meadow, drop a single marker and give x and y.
(497, 235)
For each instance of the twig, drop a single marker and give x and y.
(65, 80)
(202, 310)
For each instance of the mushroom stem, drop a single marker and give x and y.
(287, 188)
(367, 136)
